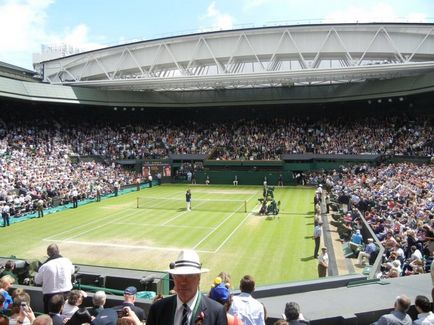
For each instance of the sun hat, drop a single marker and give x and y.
(188, 262)
(220, 293)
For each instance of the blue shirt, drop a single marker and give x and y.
(8, 300)
(370, 248)
(357, 239)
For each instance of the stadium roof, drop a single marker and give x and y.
(374, 91)
(282, 56)
(12, 71)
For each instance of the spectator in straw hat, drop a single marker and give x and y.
(188, 306)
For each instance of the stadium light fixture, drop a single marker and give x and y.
(369, 102)
(390, 100)
(379, 101)
(401, 99)
(115, 108)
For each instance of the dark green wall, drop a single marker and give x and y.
(245, 177)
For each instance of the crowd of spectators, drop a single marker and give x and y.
(240, 139)
(35, 154)
(35, 164)
(397, 201)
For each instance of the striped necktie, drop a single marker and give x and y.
(184, 320)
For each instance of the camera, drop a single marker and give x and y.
(122, 312)
(23, 306)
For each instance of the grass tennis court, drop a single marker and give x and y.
(115, 232)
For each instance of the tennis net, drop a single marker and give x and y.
(196, 205)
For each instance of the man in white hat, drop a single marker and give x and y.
(188, 306)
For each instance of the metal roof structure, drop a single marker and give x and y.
(282, 56)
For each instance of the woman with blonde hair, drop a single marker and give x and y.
(5, 283)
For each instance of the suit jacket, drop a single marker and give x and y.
(395, 317)
(57, 318)
(139, 311)
(162, 312)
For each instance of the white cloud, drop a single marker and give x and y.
(216, 20)
(379, 13)
(78, 37)
(23, 29)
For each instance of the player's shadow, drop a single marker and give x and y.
(306, 259)
(308, 237)
(310, 223)
(181, 209)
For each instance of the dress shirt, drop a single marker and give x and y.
(179, 309)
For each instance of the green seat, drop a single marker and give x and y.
(348, 252)
(367, 270)
(146, 295)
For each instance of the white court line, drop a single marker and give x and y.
(224, 220)
(233, 231)
(216, 228)
(157, 225)
(88, 231)
(98, 220)
(75, 242)
(159, 200)
(81, 226)
(178, 215)
(85, 243)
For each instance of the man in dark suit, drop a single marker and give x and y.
(55, 309)
(129, 300)
(188, 306)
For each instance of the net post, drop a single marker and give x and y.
(245, 206)
(137, 202)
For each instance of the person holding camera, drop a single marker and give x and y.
(128, 317)
(129, 300)
(21, 312)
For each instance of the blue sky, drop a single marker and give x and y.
(90, 24)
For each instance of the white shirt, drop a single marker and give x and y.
(416, 255)
(248, 309)
(69, 310)
(55, 275)
(317, 231)
(323, 258)
(6, 209)
(422, 319)
(13, 321)
(179, 309)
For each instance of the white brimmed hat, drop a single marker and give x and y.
(188, 263)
